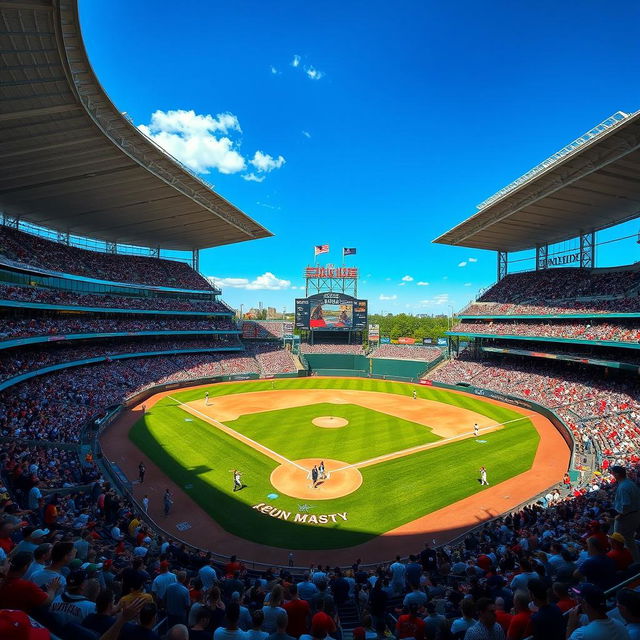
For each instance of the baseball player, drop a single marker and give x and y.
(483, 477)
(415, 395)
(237, 480)
(206, 398)
(476, 430)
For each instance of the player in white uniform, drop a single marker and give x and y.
(237, 480)
(206, 398)
(483, 477)
(476, 430)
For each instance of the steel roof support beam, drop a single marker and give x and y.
(195, 260)
(588, 250)
(503, 264)
(542, 253)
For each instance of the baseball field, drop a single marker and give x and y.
(389, 458)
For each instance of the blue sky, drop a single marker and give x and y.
(365, 124)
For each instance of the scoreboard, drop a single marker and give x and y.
(331, 312)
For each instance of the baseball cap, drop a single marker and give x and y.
(76, 578)
(40, 533)
(16, 625)
(618, 537)
(91, 566)
(147, 540)
(592, 595)
(75, 564)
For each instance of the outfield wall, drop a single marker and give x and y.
(342, 364)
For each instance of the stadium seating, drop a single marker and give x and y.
(67, 298)
(271, 358)
(406, 352)
(26, 249)
(592, 329)
(27, 327)
(355, 349)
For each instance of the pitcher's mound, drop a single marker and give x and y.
(296, 482)
(330, 422)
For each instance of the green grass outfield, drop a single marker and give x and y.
(199, 458)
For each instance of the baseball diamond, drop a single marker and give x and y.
(419, 455)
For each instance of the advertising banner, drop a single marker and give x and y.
(427, 341)
(406, 340)
(442, 342)
(374, 333)
(386, 340)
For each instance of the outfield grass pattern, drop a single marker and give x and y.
(196, 455)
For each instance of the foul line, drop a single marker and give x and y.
(239, 436)
(422, 447)
(356, 465)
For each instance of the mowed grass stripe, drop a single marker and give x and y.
(393, 493)
(291, 432)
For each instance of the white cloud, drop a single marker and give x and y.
(402, 284)
(473, 259)
(439, 299)
(467, 284)
(313, 73)
(274, 71)
(204, 142)
(263, 162)
(296, 61)
(266, 281)
(306, 134)
(192, 138)
(422, 283)
(267, 205)
(252, 177)
(383, 297)
(387, 279)
(462, 264)
(407, 279)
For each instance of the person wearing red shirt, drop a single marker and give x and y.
(322, 621)
(299, 613)
(521, 622)
(410, 625)
(231, 567)
(619, 553)
(6, 543)
(17, 593)
(561, 595)
(502, 617)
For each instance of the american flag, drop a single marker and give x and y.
(321, 248)
(349, 251)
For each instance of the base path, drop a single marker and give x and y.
(550, 463)
(342, 479)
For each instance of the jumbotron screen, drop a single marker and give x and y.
(331, 312)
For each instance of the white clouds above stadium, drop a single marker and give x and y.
(206, 143)
(267, 281)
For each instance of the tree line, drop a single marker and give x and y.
(403, 325)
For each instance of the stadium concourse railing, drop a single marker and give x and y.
(93, 431)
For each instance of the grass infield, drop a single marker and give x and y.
(199, 457)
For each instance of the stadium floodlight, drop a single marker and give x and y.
(590, 136)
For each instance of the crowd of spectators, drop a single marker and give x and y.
(87, 563)
(566, 283)
(23, 360)
(20, 327)
(18, 293)
(354, 349)
(622, 331)
(406, 352)
(56, 406)
(35, 251)
(30, 465)
(271, 357)
(262, 329)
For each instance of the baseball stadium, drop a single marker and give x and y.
(192, 441)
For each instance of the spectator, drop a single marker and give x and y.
(231, 630)
(18, 593)
(600, 627)
(486, 628)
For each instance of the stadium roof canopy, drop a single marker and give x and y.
(70, 161)
(591, 184)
